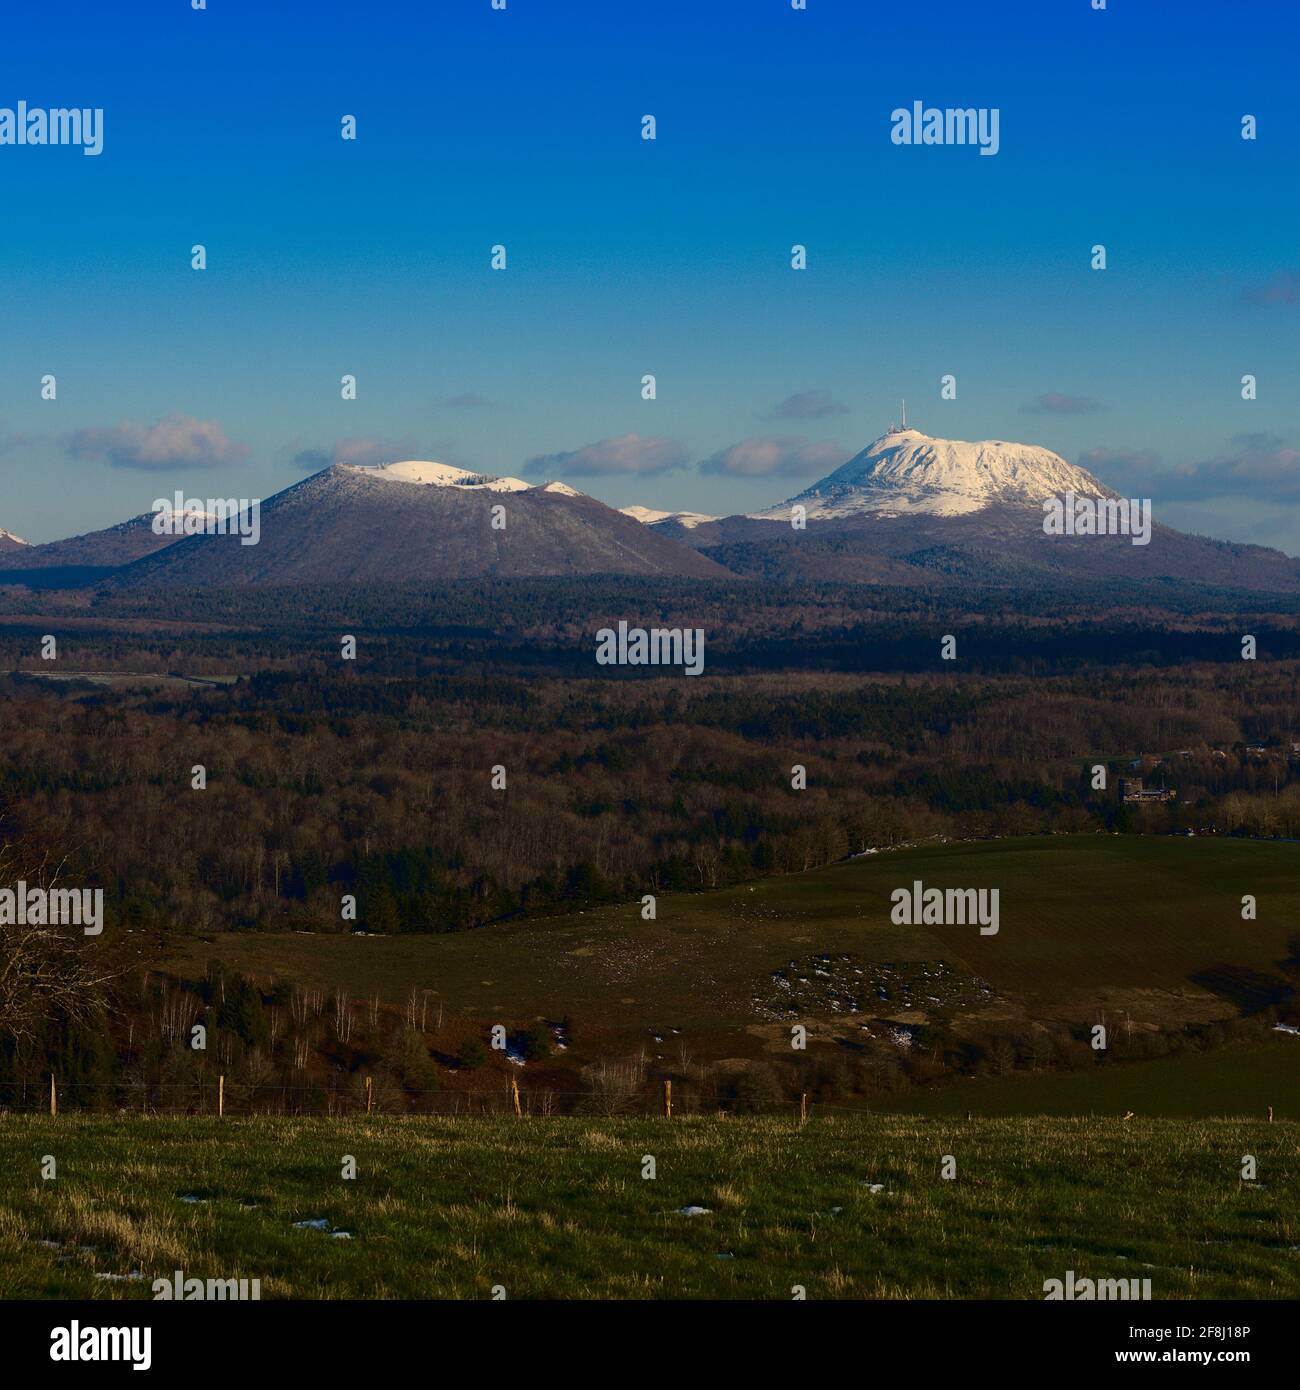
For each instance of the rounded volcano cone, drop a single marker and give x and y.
(905, 471)
(422, 521)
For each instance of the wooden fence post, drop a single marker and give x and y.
(54, 1098)
(514, 1094)
(803, 1107)
(1270, 1114)
(668, 1100)
(370, 1093)
(221, 1095)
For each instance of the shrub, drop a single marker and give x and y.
(756, 1089)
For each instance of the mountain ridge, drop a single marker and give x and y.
(913, 509)
(361, 525)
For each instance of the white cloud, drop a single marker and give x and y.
(178, 441)
(778, 456)
(627, 454)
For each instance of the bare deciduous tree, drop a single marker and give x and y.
(342, 1016)
(175, 1014)
(614, 1085)
(45, 972)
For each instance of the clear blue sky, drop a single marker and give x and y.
(627, 257)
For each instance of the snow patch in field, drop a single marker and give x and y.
(321, 1223)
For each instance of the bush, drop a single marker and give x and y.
(756, 1089)
(409, 1058)
(532, 1044)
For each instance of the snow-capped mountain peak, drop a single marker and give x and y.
(429, 474)
(905, 471)
(9, 536)
(650, 516)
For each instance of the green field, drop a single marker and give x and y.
(1124, 927)
(559, 1208)
(1240, 1079)
(1081, 914)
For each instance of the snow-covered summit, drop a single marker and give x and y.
(906, 471)
(430, 474)
(9, 536)
(436, 475)
(648, 516)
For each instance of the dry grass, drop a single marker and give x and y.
(559, 1208)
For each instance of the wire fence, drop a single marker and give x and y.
(221, 1097)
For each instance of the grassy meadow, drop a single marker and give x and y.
(1244, 1079)
(1084, 919)
(1144, 933)
(848, 1206)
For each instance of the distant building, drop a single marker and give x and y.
(1131, 789)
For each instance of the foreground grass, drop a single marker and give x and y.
(559, 1208)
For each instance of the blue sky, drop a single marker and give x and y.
(627, 257)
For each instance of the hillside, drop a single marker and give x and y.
(997, 546)
(389, 526)
(725, 974)
(106, 549)
(934, 513)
